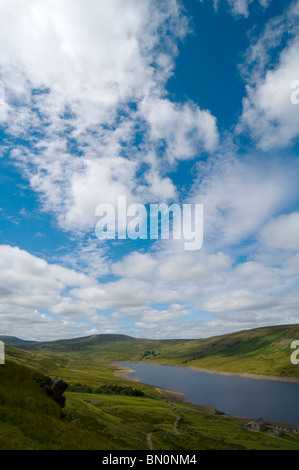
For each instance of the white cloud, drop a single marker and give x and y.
(282, 232)
(204, 270)
(240, 7)
(57, 44)
(87, 257)
(269, 115)
(115, 295)
(100, 182)
(239, 196)
(36, 300)
(291, 265)
(239, 300)
(153, 315)
(172, 268)
(136, 265)
(191, 329)
(40, 301)
(255, 274)
(23, 272)
(41, 327)
(85, 78)
(186, 130)
(157, 188)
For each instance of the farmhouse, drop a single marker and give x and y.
(283, 427)
(262, 424)
(259, 424)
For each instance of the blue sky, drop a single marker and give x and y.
(162, 102)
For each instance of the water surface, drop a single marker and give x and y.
(234, 395)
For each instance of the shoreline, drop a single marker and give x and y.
(208, 371)
(165, 392)
(244, 374)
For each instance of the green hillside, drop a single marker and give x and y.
(105, 412)
(264, 351)
(30, 419)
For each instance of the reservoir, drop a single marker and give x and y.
(234, 395)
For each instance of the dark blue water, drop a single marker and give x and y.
(236, 396)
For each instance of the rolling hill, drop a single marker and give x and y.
(264, 351)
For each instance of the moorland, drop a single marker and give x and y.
(104, 410)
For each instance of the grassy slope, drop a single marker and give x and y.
(259, 351)
(264, 351)
(29, 419)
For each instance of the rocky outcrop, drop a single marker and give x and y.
(55, 388)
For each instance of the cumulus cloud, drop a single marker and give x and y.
(36, 300)
(115, 295)
(269, 114)
(186, 130)
(136, 265)
(40, 301)
(234, 295)
(239, 300)
(29, 287)
(240, 7)
(240, 195)
(149, 315)
(254, 295)
(81, 81)
(171, 268)
(282, 232)
(255, 274)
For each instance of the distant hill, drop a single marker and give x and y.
(16, 342)
(109, 346)
(264, 351)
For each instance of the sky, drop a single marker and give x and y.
(189, 102)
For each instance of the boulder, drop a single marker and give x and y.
(55, 388)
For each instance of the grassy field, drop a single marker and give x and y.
(30, 419)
